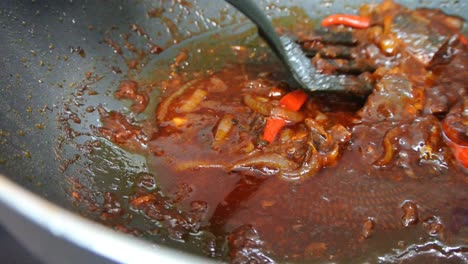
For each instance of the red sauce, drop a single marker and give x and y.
(373, 172)
(129, 90)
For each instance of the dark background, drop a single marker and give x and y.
(11, 252)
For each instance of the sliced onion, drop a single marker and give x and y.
(290, 116)
(262, 108)
(262, 160)
(249, 147)
(196, 164)
(455, 22)
(218, 85)
(340, 134)
(286, 135)
(224, 126)
(331, 156)
(195, 99)
(389, 148)
(164, 105)
(320, 137)
(310, 166)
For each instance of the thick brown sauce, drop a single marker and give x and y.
(331, 208)
(361, 202)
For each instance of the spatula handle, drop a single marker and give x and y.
(264, 26)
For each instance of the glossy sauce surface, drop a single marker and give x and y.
(383, 179)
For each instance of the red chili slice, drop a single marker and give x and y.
(346, 20)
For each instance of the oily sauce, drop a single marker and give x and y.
(374, 178)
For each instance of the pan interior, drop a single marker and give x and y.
(45, 72)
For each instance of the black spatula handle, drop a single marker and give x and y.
(264, 26)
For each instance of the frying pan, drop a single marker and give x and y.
(47, 48)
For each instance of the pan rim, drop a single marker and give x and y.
(85, 233)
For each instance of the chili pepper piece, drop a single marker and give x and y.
(463, 40)
(346, 20)
(457, 145)
(294, 100)
(272, 128)
(459, 152)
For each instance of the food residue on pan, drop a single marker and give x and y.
(259, 171)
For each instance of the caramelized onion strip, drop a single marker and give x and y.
(224, 126)
(196, 164)
(319, 136)
(269, 160)
(259, 107)
(389, 148)
(164, 105)
(310, 166)
(292, 117)
(331, 156)
(191, 103)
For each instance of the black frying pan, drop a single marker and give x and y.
(46, 49)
